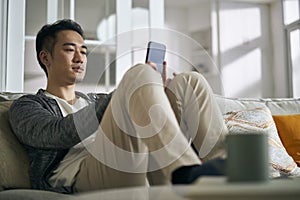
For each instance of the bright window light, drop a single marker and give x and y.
(291, 11)
(107, 27)
(239, 26)
(295, 56)
(242, 78)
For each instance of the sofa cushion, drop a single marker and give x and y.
(260, 121)
(14, 167)
(29, 194)
(277, 106)
(284, 106)
(288, 127)
(9, 96)
(235, 104)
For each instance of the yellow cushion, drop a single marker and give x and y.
(288, 127)
(260, 121)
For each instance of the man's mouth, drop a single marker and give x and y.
(77, 69)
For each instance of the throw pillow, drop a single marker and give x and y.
(288, 127)
(259, 120)
(14, 162)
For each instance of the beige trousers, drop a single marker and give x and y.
(147, 131)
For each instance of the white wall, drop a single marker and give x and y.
(177, 28)
(186, 19)
(176, 18)
(199, 16)
(280, 66)
(34, 76)
(245, 50)
(274, 76)
(190, 21)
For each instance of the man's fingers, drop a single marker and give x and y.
(164, 72)
(153, 65)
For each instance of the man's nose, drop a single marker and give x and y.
(78, 57)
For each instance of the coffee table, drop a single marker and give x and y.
(206, 188)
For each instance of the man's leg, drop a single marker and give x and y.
(198, 114)
(138, 121)
(200, 120)
(102, 168)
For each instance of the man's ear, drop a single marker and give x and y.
(44, 57)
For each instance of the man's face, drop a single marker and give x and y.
(68, 61)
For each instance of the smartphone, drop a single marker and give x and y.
(156, 54)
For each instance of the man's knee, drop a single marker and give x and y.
(136, 77)
(141, 68)
(192, 79)
(143, 72)
(193, 75)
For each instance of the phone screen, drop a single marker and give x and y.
(156, 54)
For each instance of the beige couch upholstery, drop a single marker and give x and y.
(14, 164)
(277, 106)
(13, 158)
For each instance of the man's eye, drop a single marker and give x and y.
(69, 49)
(84, 52)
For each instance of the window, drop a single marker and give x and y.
(100, 73)
(3, 25)
(102, 20)
(244, 49)
(291, 11)
(294, 57)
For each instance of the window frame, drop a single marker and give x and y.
(288, 28)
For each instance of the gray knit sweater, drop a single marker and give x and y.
(47, 136)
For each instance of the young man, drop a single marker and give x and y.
(79, 142)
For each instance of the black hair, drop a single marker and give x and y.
(46, 37)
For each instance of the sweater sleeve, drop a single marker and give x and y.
(101, 102)
(41, 126)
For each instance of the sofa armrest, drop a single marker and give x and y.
(14, 161)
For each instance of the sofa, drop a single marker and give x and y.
(237, 112)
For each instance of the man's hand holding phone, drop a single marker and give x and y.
(164, 71)
(156, 58)
(156, 54)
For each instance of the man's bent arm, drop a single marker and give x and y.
(40, 126)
